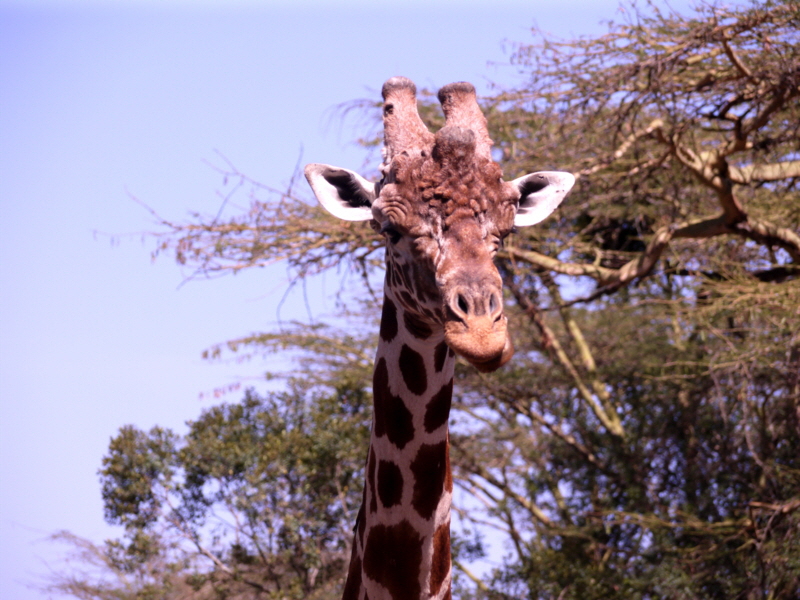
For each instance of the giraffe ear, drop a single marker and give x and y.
(540, 194)
(341, 192)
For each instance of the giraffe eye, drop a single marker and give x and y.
(391, 233)
(497, 242)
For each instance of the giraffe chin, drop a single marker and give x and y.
(496, 363)
(486, 350)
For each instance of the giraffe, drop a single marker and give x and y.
(444, 210)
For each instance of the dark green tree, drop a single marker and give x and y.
(256, 500)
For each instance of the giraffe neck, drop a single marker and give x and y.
(401, 548)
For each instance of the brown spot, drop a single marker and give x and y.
(416, 327)
(360, 516)
(448, 476)
(399, 423)
(380, 396)
(424, 282)
(430, 471)
(439, 356)
(440, 561)
(392, 558)
(353, 585)
(412, 366)
(390, 415)
(438, 409)
(361, 520)
(373, 502)
(418, 283)
(388, 320)
(397, 279)
(407, 300)
(390, 483)
(407, 277)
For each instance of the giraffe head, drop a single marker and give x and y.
(444, 209)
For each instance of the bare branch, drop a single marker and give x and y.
(610, 280)
(474, 578)
(608, 418)
(770, 234)
(736, 60)
(528, 505)
(656, 124)
(558, 432)
(765, 173)
(553, 264)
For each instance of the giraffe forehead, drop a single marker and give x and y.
(430, 196)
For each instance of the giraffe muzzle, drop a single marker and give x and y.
(476, 327)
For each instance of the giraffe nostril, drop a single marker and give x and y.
(462, 304)
(492, 303)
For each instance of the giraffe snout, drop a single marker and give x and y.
(468, 302)
(476, 327)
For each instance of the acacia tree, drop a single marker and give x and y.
(653, 419)
(645, 441)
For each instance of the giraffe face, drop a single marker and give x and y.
(444, 214)
(444, 209)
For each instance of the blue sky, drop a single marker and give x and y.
(100, 101)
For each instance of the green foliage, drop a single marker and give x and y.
(134, 470)
(257, 500)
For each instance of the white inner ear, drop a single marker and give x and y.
(540, 194)
(343, 193)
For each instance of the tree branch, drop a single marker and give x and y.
(740, 66)
(611, 280)
(585, 353)
(769, 234)
(474, 578)
(765, 173)
(654, 125)
(781, 97)
(609, 419)
(531, 507)
(553, 264)
(556, 430)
